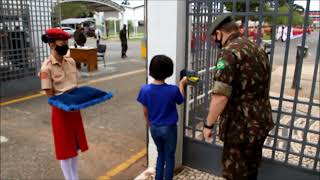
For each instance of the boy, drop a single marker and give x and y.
(159, 106)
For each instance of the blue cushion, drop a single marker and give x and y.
(79, 98)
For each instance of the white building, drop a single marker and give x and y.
(113, 21)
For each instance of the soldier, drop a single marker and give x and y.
(240, 96)
(124, 41)
(58, 74)
(79, 37)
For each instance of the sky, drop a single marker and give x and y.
(314, 4)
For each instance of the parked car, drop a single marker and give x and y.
(69, 30)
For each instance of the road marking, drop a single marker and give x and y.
(119, 62)
(21, 99)
(123, 166)
(82, 84)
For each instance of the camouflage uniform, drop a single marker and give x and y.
(243, 75)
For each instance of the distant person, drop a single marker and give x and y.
(98, 34)
(279, 33)
(107, 30)
(284, 33)
(79, 37)
(124, 41)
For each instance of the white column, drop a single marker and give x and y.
(166, 35)
(115, 26)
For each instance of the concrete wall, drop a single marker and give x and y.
(111, 15)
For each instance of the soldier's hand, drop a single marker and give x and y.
(207, 133)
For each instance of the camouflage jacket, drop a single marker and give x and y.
(243, 75)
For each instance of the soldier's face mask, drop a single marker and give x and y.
(218, 42)
(62, 50)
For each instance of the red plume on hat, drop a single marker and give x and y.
(54, 34)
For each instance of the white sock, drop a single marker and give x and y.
(66, 168)
(74, 169)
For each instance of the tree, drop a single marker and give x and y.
(297, 18)
(125, 2)
(73, 10)
(240, 6)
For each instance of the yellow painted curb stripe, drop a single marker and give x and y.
(87, 83)
(21, 99)
(123, 166)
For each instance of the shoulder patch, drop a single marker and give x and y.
(220, 64)
(44, 75)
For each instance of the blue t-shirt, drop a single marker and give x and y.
(161, 102)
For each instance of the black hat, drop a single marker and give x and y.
(219, 21)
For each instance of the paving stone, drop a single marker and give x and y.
(188, 173)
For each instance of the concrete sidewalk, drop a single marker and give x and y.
(305, 82)
(184, 173)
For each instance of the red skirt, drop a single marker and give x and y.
(68, 133)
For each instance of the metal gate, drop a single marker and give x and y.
(291, 150)
(22, 22)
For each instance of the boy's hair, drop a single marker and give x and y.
(161, 67)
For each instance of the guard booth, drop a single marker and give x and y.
(22, 22)
(291, 150)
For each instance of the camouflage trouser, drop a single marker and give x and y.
(241, 161)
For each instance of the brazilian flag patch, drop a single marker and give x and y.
(220, 64)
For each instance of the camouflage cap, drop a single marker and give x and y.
(219, 21)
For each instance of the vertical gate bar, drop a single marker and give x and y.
(208, 43)
(246, 26)
(221, 5)
(317, 61)
(259, 33)
(42, 27)
(195, 88)
(316, 160)
(274, 30)
(186, 57)
(311, 93)
(203, 44)
(36, 29)
(2, 42)
(22, 37)
(11, 39)
(314, 80)
(49, 19)
(283, 78)
(202, 23)
(214, 57)
(234, 7)
(294, 109)
(33, 37)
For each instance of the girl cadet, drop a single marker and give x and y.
(58, 74)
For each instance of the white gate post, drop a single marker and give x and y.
(166, 26)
